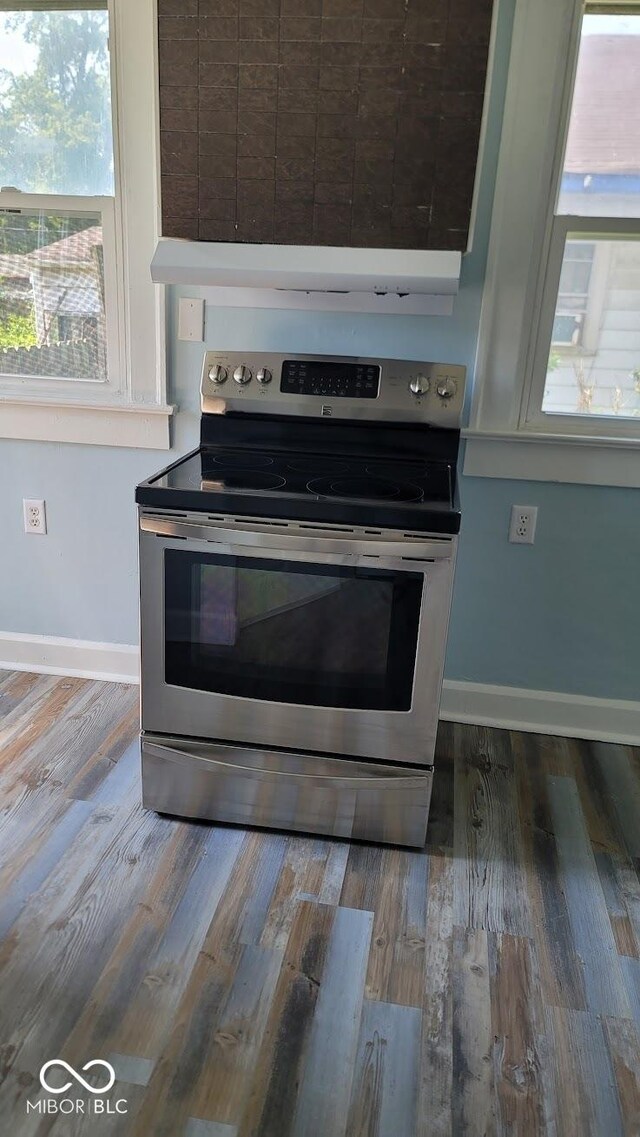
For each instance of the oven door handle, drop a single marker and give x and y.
(293, 540)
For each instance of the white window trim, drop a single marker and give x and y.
(501, 440)
(133, 412)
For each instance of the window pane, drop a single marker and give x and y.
(594, 363)
(55, 102)
(601, 175)
(52, 317)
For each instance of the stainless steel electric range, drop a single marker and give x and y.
(296, 574)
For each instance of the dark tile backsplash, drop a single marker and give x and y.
(321, 122)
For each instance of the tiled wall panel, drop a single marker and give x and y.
(337, 122)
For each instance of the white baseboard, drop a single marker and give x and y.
(511, 708)
(54, 655)
(541, 712)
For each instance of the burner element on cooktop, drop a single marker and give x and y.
(242, 480)
(365, 487)
(243, 459)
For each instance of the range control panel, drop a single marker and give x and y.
(328, 380)
(345, 387)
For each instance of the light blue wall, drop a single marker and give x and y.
(562, 615)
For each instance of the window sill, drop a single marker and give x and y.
(582, 460)
(93, 424)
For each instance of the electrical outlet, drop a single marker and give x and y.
(35, 517)
(522, 529)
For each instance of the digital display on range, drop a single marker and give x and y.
(330, 380)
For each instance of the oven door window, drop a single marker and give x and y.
(317, 635)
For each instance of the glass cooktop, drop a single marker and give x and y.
(352, 490)
(317, 476)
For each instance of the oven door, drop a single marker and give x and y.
(293, 636)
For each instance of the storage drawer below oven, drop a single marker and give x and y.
(308, 793)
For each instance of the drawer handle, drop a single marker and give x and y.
(406, 781)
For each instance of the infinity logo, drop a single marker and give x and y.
(78, 1077)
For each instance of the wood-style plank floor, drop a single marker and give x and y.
(253, 983)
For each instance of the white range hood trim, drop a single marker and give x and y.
(380, 303)
(310, 269)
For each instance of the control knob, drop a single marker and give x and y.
(217, 373)
(447, 387)
(264, 375)
(419, 384)
(242, 375)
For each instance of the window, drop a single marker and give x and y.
(559, 353)
(78, 215)
(593, 367)
(593, 348)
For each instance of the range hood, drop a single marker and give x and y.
(412, 280)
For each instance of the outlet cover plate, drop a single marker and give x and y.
(191, 320)
(35, 516)
(522, 527)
